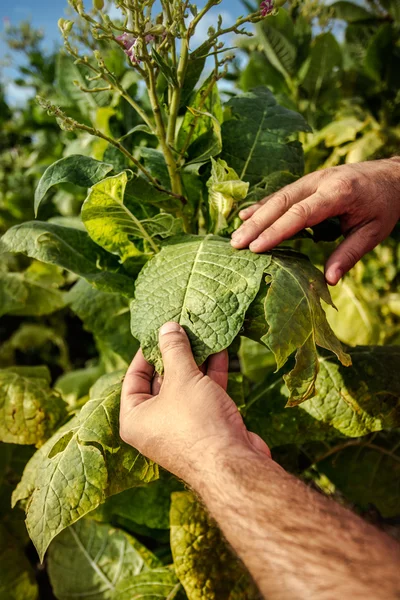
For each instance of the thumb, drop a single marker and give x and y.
(176, 351)
(350, 252)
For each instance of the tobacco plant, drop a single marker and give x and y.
(151, 244)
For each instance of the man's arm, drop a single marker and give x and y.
(365, 197)
(296, 543)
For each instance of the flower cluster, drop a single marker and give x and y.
(266, 7)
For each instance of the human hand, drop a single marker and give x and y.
(365, 196)
(186, 420)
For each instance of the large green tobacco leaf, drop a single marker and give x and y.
(278, 42)
(204, 563)
(112, 225)
(77, 169)
(105, 315)
(29, 409)
(324, 58)
(17, 578)
(225, 190)
(95, 561)
(368, 474)
(349, 403)
(31, 293)
(77, 469)
(202, 283)
(295, 321)
(69, 248)
(255, 139)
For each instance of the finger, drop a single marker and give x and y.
(218, 366)
(276, 206)
(311, 211)
(138, 380)
(156, 385)
(176, 352)
(248, 212)
(350, 252)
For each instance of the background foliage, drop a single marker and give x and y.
(65, 344)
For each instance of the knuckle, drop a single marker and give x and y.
(172, 345)
(301, 211)
(282, 200)
(347, 188)
(352, 256)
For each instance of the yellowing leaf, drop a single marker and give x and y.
(29, 409)
(225, 191)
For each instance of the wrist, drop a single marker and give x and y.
(222, 462)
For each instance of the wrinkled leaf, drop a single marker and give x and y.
(225, 190)
(204, 563)
(29, 409)
(297, 321)
(69, 248)
(255, 139)
(216, 285)
(91, 560)
(77, 169)
(79, 468)
(349, 403)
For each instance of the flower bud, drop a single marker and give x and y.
(65, 26)
(98, 4)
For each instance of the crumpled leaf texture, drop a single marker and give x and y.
(78, 468)
(90, 560)
(202, 283)
(204, 563)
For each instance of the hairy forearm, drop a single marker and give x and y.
(295, 542)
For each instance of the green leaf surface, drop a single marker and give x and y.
(33, 292)
(351, 12)
(77, 169)
(349, 403)
(77, 469)
(30, 409)
(17, 578)
(297, 321)
(255, 139)
(324, 58)
(277, 39)
(202, 283)
(91, 560)
(225, 191)
(204, 563)
(367, 475)
(112, 225)
(106, 316)
(355, 322)
(69, 248)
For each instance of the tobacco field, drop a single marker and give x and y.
(121, 183)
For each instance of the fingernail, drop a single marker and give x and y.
(235, 242)
(334, 275)
(172, 327)
(236, 235)
(243, 214)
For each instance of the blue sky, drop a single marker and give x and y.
(44, 14)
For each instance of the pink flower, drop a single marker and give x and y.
(129, 42)
(266, 7)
